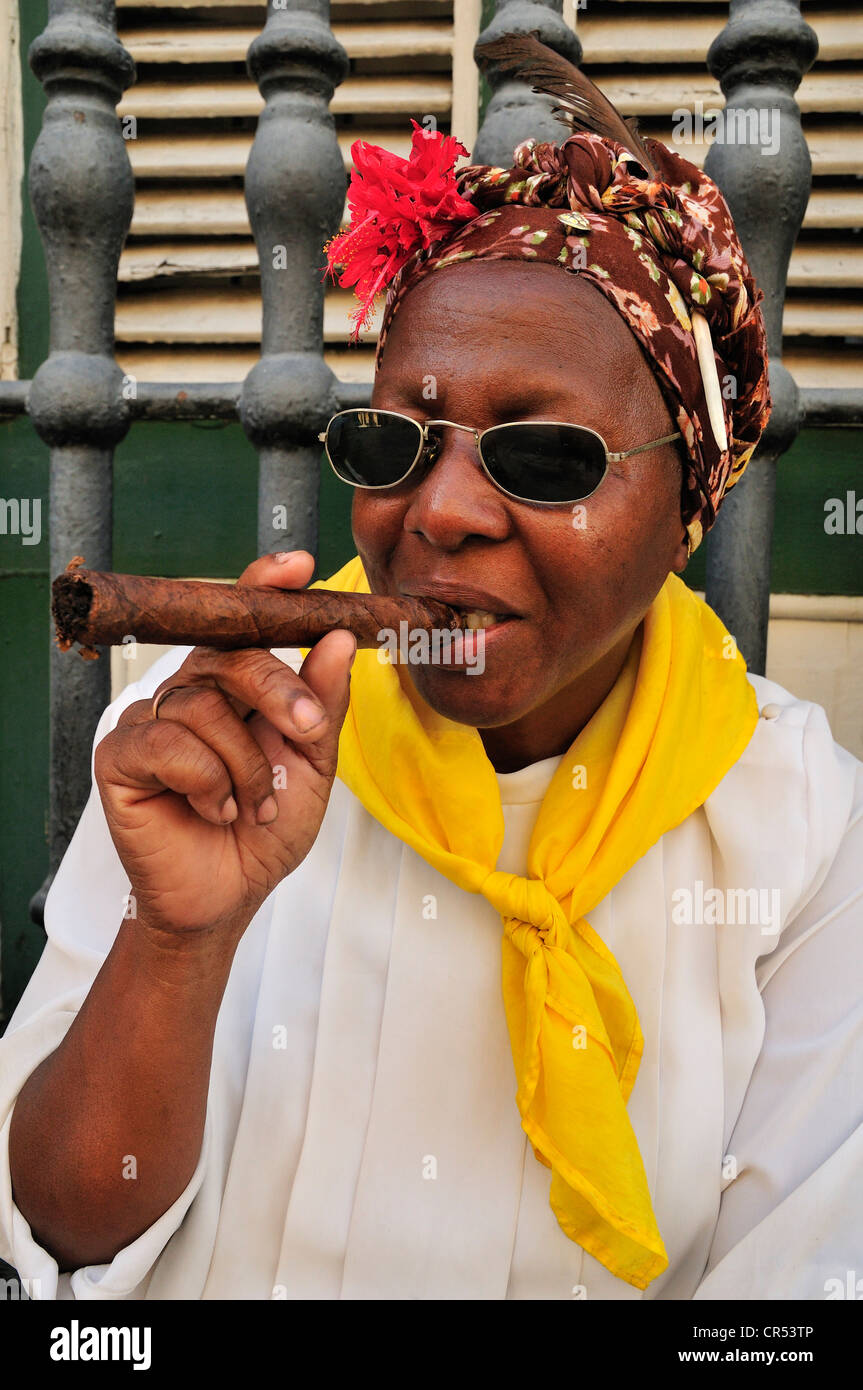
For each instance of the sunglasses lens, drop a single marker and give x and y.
(371, 448)
(545, 463)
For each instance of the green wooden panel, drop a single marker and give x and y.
(185, 503)
(24, 604)
(820, 465)
(184, 500)
(23, 771)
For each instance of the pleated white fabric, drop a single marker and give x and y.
(362, 1138)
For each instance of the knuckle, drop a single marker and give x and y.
(210, 663)
(209, 773)
(208, 708)
(103, 755)
(201, 657)
(135, 713)
(258, 775)
(164, 738)
(246, 659)
(258, 668)
(272, 678)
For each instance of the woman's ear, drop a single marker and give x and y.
(682, 554)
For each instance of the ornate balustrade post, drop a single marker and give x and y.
(82, 195)
(760, 57)
(515, 112)
(295, 193)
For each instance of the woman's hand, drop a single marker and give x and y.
(190, 801)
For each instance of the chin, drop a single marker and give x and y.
(477, 700)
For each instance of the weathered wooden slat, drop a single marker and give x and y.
(834, 149)
(152, 260)
(223, 154)
(189, 212)
(629, 4)
(185, 212)
(644, 94)
(834, 207)
(233, 315)
(358, 96)
(636, 36)
(661, 94)
(228, 315)
(207, 363)
(230, 43)
(823, 318)
(827, 265)
(838, 367)
(365, 7)
(219, 154)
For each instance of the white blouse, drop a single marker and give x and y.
(362, 1139)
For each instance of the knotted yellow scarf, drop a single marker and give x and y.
(678, 717)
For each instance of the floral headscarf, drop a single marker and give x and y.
(656, 248)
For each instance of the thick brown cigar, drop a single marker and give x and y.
(100, 609)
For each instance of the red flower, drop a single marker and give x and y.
(397, 206)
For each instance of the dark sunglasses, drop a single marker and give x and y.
(544, 461)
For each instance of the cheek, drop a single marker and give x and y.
(608, 557)
(376, 523)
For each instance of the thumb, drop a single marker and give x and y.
(327, 671)
(287, 569)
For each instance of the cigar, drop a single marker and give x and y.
(100, 609)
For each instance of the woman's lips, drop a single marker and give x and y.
(468, 599)
(486, 621)
(470, 647)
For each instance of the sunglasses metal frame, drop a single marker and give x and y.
(424, 444)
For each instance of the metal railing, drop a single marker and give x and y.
(82, 192)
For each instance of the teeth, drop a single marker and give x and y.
(477, 619)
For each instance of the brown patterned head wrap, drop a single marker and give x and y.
(657, 249)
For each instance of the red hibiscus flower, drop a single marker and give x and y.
(397, 206)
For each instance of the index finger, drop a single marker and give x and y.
(253, 679)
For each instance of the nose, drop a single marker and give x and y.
(453, 498)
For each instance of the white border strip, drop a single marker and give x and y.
(11, 174)
(814, 608)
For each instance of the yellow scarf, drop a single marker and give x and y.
(678, 717)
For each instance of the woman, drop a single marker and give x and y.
(266, 1052)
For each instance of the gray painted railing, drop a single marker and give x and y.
(82, 194)
(514, 111)
(295, 192)
(81, 187)
(760, 57)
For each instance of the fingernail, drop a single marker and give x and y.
(306, 714)
(280, 556)
(229, 810)
(267, 811)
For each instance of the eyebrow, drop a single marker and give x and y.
(516, 406)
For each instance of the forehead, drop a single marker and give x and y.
(515, 326)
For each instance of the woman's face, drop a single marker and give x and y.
(482, 344)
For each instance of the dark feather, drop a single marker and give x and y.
(581, 105)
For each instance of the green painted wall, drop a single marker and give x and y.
(185, 504)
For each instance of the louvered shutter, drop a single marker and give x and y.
(649, 56)
(189, 305)
(188, 299)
